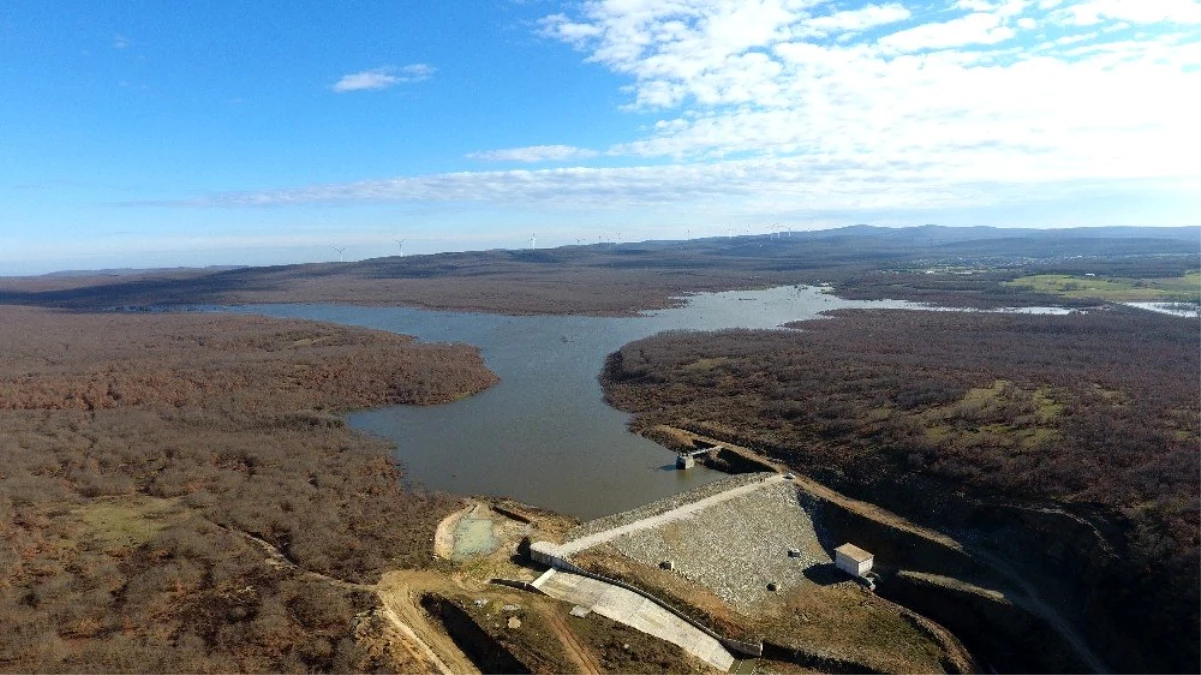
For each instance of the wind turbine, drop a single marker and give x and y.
(340, 251)
(533, 241)
(401, 244)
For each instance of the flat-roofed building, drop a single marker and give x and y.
(853, 560)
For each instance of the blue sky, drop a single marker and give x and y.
(147, 134)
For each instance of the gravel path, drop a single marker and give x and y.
(682, 512)
(664, 505)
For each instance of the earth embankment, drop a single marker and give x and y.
(1064, 447)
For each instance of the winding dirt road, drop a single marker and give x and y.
(398, 592)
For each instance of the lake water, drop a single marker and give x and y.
(1180, 309)
(544, 434)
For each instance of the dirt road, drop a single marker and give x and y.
(398, 592)
(1028, 597)
(580, 655)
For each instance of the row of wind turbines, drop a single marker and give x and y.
(776, 232)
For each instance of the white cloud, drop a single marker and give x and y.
(1093, 12)
(534, 153)
(416, 72)
(382, 78)
(792, 180)
(660, 42)
(120, 42)
(857, 20)
(978, 28)
(956, 95)
(1005, 8)
(792, 102)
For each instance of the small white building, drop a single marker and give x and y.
(853, 560)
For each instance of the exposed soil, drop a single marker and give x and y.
(400, 593)
(580, 656)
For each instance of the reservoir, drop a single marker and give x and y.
(544, 434)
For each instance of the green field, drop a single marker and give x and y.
(1185, 288)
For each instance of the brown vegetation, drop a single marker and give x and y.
(139, 450)
(621, 279)
(1071, 440)
(599, 283)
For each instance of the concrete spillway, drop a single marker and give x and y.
(634, 610)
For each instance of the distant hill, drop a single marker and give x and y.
(135, 271)
(941, 234)
(623, 278)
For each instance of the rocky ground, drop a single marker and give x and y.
(661, 506)
(736, 548)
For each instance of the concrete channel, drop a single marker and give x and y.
(632, 607)
(634, 610)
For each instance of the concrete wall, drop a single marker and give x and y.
(845, 564)
(851, 566)
(547, 553)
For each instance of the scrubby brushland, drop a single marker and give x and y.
(958, 267)
(1068, 444)
(150, 464)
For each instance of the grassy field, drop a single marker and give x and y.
(1185, 288)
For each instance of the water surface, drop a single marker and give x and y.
(1180, 309)
(544, 434)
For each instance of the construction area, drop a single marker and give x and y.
(749, 552)
(763, 571)
(635, 610)
(745, 538)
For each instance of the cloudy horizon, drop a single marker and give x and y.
(634, 118)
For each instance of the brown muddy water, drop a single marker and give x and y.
(544, 435)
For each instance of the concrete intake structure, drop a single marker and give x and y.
(687, 460)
